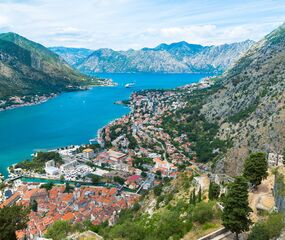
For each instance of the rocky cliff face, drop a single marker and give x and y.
(28, 68)
(179, 57)
(250, 104)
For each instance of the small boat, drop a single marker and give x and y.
(93, 140)
(128, 85)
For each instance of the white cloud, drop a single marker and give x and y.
(196, 30)
(123, 24)
(3, 20)
(209, 34)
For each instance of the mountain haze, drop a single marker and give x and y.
(73, 56)
(180, 57)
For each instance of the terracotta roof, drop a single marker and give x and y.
(34, 193)
(29, 193)
(100, 204)
(20, 234)
(68, 216)
(67, 197)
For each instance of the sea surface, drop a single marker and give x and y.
(75, 117)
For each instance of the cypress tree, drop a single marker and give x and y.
(236, 212)
(194, 196)
(191, 198)
(34, 205)
(210, 192)
(214, 191)
(200, 195)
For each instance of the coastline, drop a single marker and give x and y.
(44, 98)
(99, 131)
(203, 83)
(27, 104)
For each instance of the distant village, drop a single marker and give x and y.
(22, 101)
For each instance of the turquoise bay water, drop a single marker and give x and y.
(73, 118)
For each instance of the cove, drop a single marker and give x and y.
(74, 117)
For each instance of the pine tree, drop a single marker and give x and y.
(12, 219)
(236, 211)
(255, 168)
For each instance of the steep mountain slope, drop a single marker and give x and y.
(72, 56)
(28, 68)
(250, 104)
(219, 57)
(180, 57)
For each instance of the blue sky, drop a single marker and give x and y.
(124, 24)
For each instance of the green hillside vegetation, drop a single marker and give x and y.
(200, 132)
(38, 162)
(28, 68)
(12, 219)
(42, 58)
(13, 49)
(269, 228)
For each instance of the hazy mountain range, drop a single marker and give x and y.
(180, 57)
